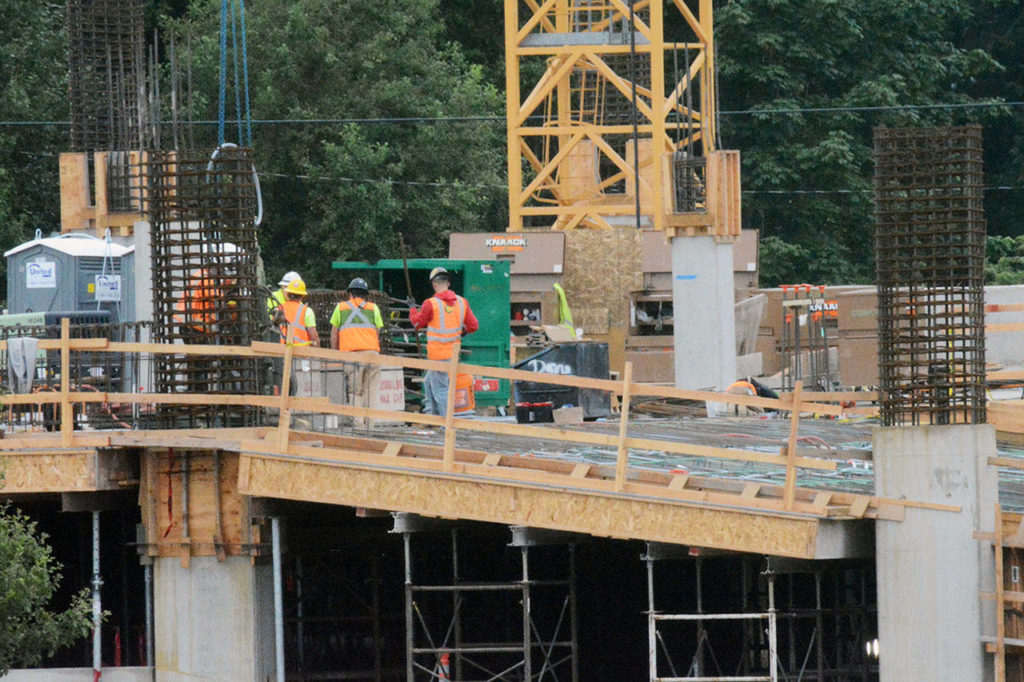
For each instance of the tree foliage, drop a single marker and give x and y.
(29, 577)
(33, 87)
(808, 174)
(344, 191)
(1004, 260)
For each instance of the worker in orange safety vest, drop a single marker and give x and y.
(298, 316)
(355, 327)
(447, 318)
(203, 305)
(355, 322)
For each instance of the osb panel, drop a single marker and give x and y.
(166, 512)
(601, 268)
(49, 472)
(539, 508)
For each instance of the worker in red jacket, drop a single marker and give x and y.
(447, 318)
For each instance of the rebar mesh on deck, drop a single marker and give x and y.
(105, 60)
(929, 255)
(204, 278)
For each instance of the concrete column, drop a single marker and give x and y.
(930, 568)
(214, 620)
(702, 302)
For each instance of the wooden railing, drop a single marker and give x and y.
(788, 458)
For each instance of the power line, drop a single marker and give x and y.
(385, 181)
(394, 120)
(869, 108)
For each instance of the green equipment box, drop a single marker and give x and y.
(485, 284)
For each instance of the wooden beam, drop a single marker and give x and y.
(284, 414)
(607, 516)
(794, 421)
(448, 456)
(623, 447)
(1000, 604)
(67, 412)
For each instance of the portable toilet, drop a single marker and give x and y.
(74, 271)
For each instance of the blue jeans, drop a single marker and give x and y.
(435, 393)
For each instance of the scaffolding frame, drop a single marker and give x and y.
(448, 654)
(696, 667)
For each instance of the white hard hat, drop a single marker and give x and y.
(288, 278)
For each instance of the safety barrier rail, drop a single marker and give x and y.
(812, 501)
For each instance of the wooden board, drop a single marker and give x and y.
(163, 510)
(539, 508)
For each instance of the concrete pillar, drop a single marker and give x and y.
(930, 568)
(214, 620)
(704, 320)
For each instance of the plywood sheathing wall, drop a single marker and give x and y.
(601, 268)
(162, 504)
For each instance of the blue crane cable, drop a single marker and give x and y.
(245, 76)
(223, 70)
(234, 58)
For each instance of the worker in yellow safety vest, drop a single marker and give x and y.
(355, 322)
(298, 316)
(447, 318)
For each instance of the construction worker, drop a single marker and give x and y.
(447, 318)
(298, 316)
(276, 300)
(204, 315)
(355, 325)
(351, 326)
(204, 305)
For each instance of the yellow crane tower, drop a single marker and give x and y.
(618, 124)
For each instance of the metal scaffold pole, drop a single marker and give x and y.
(275, 534)
(97, 607)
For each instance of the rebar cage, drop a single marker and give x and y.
(929, 256)
(105, 60)
(205, 254)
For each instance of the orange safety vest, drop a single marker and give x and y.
(197, 308)
(357, 330)
(445, 327)
(295, 315)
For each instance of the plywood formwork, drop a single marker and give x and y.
(61, 470)
(601, 268)
(623, 517)
(191, 505)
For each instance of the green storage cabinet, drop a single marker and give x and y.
(485, 284)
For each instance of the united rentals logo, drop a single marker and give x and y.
(506, 243)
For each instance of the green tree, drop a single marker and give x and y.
(808, 175)
(344, 191)
(29, 629)
(33, 87)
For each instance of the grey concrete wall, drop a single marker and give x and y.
(702, 304)
(930, 568)
(133, 674)
(212, 620)
(143, 276)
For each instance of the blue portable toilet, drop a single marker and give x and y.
(73, 271)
